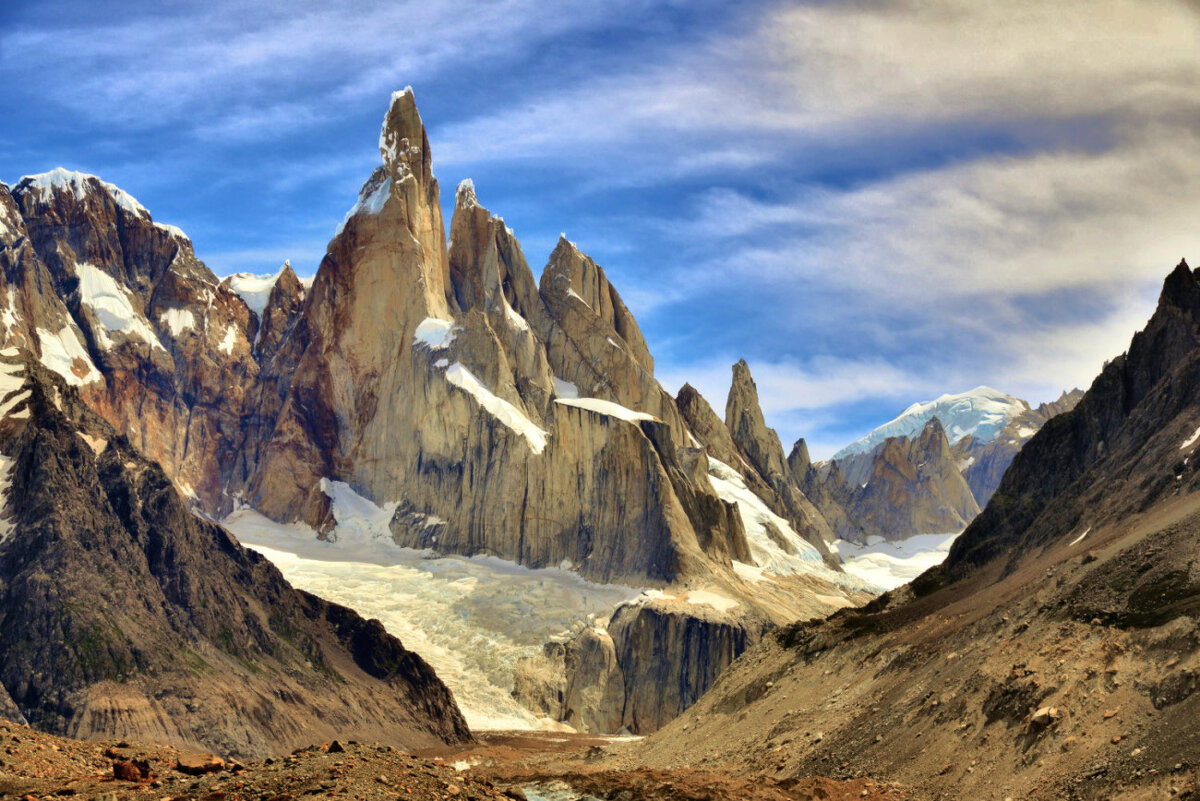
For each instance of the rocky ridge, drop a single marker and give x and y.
(125, 615)
(1057, 644)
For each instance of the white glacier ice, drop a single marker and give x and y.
(472, 618)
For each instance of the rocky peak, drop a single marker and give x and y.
(571, 274)
(487, 267)
(744, 418)
(403, 142)
(706, 426)
(799, 462)
(932, 443)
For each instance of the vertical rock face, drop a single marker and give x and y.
(744, 418)
(125, 615)
(914, 487)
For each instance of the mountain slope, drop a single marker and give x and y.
(1057, 645)
(122, 614)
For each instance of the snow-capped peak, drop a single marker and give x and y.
(255, 290)
(77, 184)
(981, 413)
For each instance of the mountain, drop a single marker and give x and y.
(124, 615)
(904, 479)
(432, 394)
(1054, 653)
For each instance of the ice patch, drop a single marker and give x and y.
(1079, 539)
(606, 408)
(12, 390)
(371, 203)
(1190, 441)
(64, 354)
(177, 321)
(111, 306)
(890, 564)
(565, 389)
(515, 320)
(571, 293)
(226, 344)
(502, 410)
(255, 290)
(1025, 432)
(472, 618)
(77, 184)
(756, 517)
(172, 231)
(434, 333)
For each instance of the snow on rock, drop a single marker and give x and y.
(502, 410)
(77, 184)
(9, 224)
(434, 334)
(370, 201)
(763, 527)
(226, 344)
(177, 321)
(890, 564)
(64, 354)
(255, 290)
(1190, 441)
(981, 412)
(111, 306)
(12, 391)
(473, 619)
(515, 320)
(605, 407)
(172, 231)
(1079, 539)
(565, 389)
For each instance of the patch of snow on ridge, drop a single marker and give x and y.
(178, 320)
(514, 319)
(77, 184)
(226, 344)
(1190, 441)
(606, 408)
(890, 564)
(502, 410)
(769, 556)
(255, 290)
(12, 390)
(64, 354)
(981, 412)
(434, 333)
(472, 618)
(172, 231)
(371, 202)
(110, 303)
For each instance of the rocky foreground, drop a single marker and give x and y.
(34, 765)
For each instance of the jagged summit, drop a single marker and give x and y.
(403, 142)
(979, 413)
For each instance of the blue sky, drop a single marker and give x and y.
(872, 202)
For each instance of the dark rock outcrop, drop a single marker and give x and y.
(125, 615)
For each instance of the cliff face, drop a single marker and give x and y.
(124, 615)
(1125, 445)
